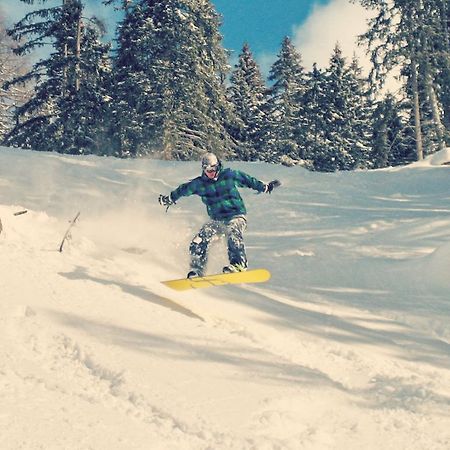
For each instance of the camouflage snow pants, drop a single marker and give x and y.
(232, 229)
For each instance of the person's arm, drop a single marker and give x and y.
(245, 180)
(183, 190)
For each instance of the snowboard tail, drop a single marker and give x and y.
(220, 279)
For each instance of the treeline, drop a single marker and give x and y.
(166, 89)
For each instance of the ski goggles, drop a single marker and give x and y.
(211, 171)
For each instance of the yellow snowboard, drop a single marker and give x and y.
(220, 279)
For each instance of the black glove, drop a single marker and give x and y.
(271, 186)
(165, 200)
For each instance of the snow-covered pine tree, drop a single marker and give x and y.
(443, 59)
(10, 66)
(61, 114)
(287, 119)
(314, 107)
(84, 110)
(169, 77)
(430, 58)
(409, 35)
(436, 66)
(346, 117)
(247, 94)
(360, 116)
(392, 138)
(133, 120)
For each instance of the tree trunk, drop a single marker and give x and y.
(66, 53)
(167, 142)
(437, 122)
(416, 108)
(431, 94)
(414, 21)
(78, 54)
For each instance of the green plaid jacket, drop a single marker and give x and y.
(221, 196)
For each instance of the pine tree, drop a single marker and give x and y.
(169, 80)
(63, 113)
(248, 96)
(360, 115)
(440, 59)
(314, 108)
(391, 142)
(411, 34)
(443, 75)
(133, 119)
(84, 109)
(10, 66)
(346, 116)
(430, 65)
(36, 116)
(287, 116)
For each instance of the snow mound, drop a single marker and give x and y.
(436, 159)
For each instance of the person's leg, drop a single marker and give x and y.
(198, 248)
(235, 240)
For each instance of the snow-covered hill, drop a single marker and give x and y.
(346, 347)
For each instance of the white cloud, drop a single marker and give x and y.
(339, 21)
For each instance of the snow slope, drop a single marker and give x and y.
(346, 347)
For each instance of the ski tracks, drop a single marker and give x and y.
(43, 363)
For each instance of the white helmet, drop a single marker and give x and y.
(209, 160)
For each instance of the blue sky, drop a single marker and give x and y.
(262, 23)
(314, 25)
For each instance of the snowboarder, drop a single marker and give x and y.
(217, 187)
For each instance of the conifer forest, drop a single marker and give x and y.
(164, 88)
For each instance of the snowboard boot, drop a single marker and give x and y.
(232, 268)
(193, 273)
